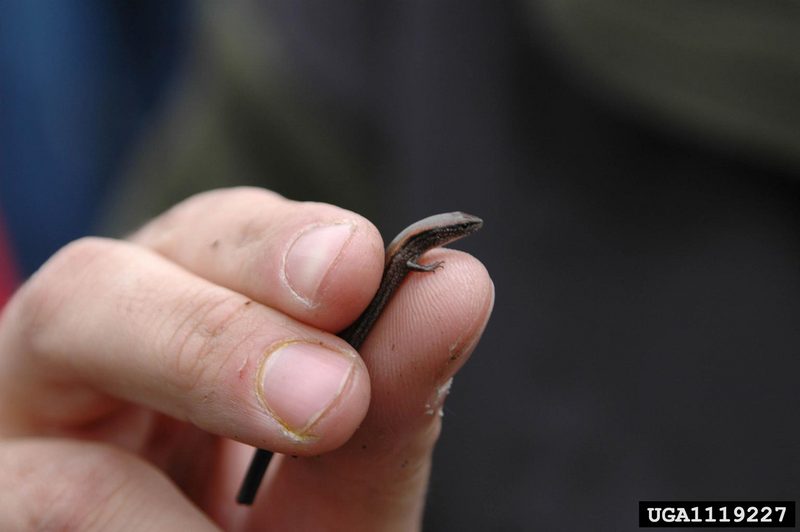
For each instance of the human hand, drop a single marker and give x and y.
(130, 372)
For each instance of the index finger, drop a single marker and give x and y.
(315, 262)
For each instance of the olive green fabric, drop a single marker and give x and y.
(726, 71)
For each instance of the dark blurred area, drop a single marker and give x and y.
(78, 84)
(636, 165)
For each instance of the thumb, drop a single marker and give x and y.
(378, 480)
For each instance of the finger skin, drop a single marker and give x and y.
(243, 238)
(377, 481)
(67, 485)
(109, 319)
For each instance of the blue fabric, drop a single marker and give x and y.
(77, 79)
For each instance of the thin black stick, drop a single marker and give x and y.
(251, 482)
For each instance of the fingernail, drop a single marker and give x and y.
(301, 381)
(311, 256)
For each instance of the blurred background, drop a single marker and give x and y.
(636, 164)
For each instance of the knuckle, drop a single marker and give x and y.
(246, 193)
(68, 493)
(75, 502)
(196, 352)
(78, 254)
(166, 232)
(42, 298)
